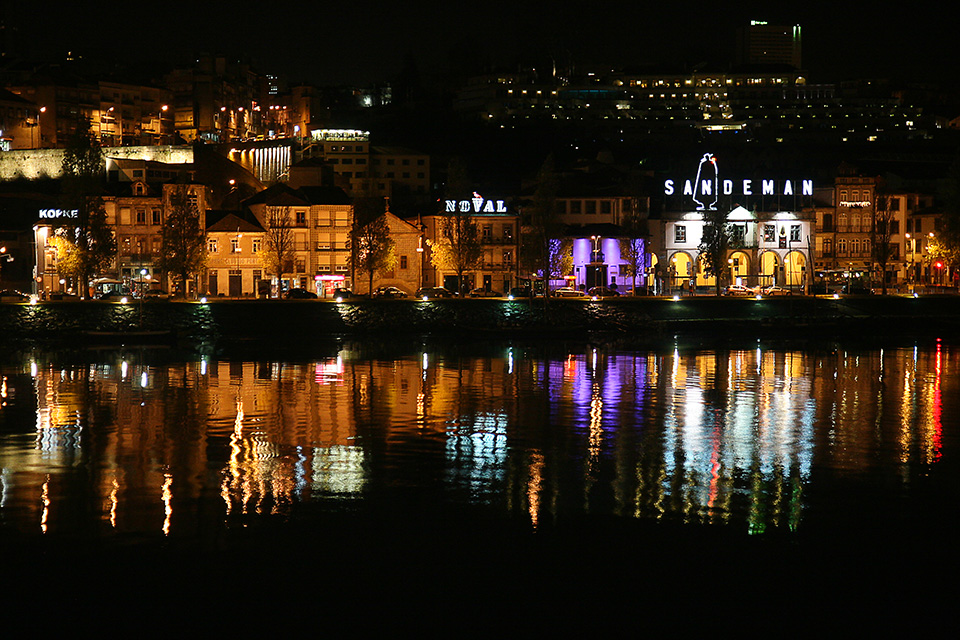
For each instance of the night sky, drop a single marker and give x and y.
(365, 41)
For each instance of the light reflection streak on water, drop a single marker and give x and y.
(166, 494)
(718, 439)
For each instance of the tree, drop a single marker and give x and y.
(543, 224)
(946, 248)
(277, 256)
(633, 245)
(457, 247)
(373, 248)
(716, 241)
(183, 252)
(881, 231)
(88, 241)
(559, 257)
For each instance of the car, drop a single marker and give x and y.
(155, 294)
(739, 290)
(115, 296)
(519, 292)
(62, 296)
(299, 294)
(342, 294)
(389, 292)
(568, 292)
(11, 295)
(602, 292)
(775, 290)
(434, 292)
(485, 293)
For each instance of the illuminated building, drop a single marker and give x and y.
(19, 119)
(410, 266)
(320, 219)
(377, 170)
(770, 102)
(763, 43)
(218, 100)
(771, 224)
(120, 114)
(235, 243)
(498, 228)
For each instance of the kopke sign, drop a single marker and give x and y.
(476, 204)
(54, 214)
(707, 186)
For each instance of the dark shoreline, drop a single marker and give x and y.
(299, 324)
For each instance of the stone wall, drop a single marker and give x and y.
(47, 163)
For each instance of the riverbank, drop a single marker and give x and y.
(297, 322)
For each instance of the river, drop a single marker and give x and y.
(485, 464)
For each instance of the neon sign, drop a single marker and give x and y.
(53, 214)
(707, 186)
(476, 204)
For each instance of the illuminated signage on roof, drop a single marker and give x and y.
(476, 204)
(337, 135)
(706, 188)
(56, 214)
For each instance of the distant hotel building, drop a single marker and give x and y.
(762, 43)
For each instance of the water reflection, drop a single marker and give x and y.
(137, 443)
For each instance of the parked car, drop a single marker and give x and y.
(602, 292)
(739, 290)
(519, 292)
(342, 294)
(63, 296)
(775, 290)
(388, 292)
(435, 292)
(480, 292)
(11, 295)
(568, 292)
(299, 294)
(156, 294)
(115, 296)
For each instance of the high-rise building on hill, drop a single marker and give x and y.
(762, 43)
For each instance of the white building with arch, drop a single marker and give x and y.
(767, 248)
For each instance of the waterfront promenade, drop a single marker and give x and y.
(293, 322)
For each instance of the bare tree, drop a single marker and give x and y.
(183, 252)
(373, 249)
(92, 244)
(543, 226)
(633, 245)
(884, 219)
(277, 256)
(457, 247)
(716, 241)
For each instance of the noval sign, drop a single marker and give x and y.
(476, 204)
(707, 186)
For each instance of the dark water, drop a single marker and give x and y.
(536, 483)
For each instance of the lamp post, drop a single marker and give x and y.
(910, 246)
(163, 110)
(142, 274)
(4, 257)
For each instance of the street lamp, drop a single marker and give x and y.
(910, 246)
(4, 257)
(163, 110)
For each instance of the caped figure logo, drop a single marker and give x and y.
(705, 187)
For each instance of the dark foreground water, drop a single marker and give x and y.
(496, 486)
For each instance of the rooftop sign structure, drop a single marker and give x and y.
(477, 204)
(705, 190)
(56, 214)
(338, 135)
